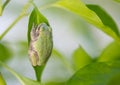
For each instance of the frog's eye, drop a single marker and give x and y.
(42, 28)
(49, 28)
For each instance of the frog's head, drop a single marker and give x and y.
(42, 28)
(39, 29)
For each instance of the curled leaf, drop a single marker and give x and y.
(79, 8)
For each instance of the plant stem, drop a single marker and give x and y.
(22, 14)
(2, 81)
(5, 4)
(10, 27)
(38, 72)
(0, 7)
(9, 69)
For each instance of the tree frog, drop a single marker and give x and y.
(41, 44)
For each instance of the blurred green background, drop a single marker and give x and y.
(69, 32)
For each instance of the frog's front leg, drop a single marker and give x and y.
(33, 56)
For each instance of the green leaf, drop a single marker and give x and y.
(23, 80)
(117, 1)
(2, 81)
(55, 83)
(97, 74)
(110, 53)
(80, 9)
(80, 58)
(5, 53)
(35, 18)
(105, 17)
